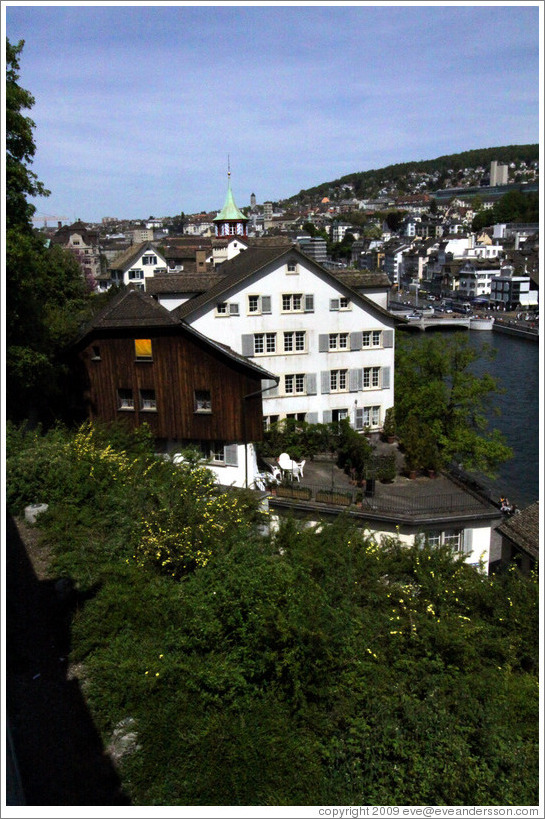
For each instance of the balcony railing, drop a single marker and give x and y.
(380, 499)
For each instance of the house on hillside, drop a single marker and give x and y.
(138, 363)
(331, 346)
(135, 265)
(83, 243)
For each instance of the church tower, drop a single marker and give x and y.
(230, 221)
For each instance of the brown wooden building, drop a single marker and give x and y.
(140, 364)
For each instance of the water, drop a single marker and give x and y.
(516, 369)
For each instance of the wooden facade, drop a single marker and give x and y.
(135, 362)
(186, 390)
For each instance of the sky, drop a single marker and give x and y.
(139, 106)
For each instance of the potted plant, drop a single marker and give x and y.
(389, 427)
(412, 445)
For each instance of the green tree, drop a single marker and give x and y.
(20, 148)
(437, 391)
(46, 296)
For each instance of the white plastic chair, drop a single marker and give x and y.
(300, 467)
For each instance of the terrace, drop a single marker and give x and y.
(326, 489)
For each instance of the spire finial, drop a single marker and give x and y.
(228, 167)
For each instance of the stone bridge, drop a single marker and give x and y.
(437, 323)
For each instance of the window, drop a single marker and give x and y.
(258, 305)
(292, 302)
(203, 401)
(292, 267)
(338, 341)
(264, 343)
(339, 414)
(149, 259)
(294, 384)
(125, 400)
(372, 338)
(450, 537)
(142, 349)
(338, 380)
(96, 354)
(221, 308)
(371, 378)
(344, 303)
(147, 400)
(367, 417)
(217, 452)
(295, 341)
(136, 274)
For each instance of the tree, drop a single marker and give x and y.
(437, 393)
(46, 293)
(20, 148)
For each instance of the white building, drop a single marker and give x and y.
(137, 264)
(475, 279)
(331, 346)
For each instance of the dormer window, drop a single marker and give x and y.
(292, 267)
(149, 259)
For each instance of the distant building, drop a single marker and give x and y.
(499, 174)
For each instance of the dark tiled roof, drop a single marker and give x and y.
(523, 530)
(133, 308)
(253, 260)
(185, 282)
(127, 257)
(363, 279)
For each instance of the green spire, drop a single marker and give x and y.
(229, 212)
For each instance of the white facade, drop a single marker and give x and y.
(333, 350)
(145, 266)
(476, 282)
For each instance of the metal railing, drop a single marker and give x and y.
(381, 500)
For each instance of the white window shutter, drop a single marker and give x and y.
(309, 303)
(326, 382)
(311, 384)
(334, 304)
(312, 418)
(273, 385)
(385, 378)
(247, 345)
(323, 343)
(467, 535)
(231, 454)
(355, 380)
(359, 418)
(233, 309)
(387, 338)
(356, 340)
(265, 304)
(327, 416)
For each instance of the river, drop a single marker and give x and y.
(516, 369)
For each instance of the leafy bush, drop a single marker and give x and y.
(312, 666)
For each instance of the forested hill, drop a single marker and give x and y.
(466, 168)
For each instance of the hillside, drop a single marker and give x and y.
(455, 170)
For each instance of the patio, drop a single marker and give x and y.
(422, 499)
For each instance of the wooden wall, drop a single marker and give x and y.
(180, 365)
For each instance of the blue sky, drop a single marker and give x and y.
(138, 106)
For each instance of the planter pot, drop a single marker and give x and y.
(432, 473)
(412, 474)
(391, 439)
